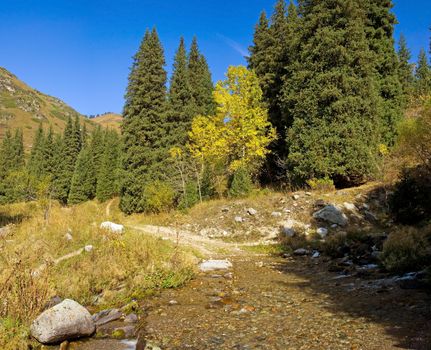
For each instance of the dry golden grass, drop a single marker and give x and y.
(118, 269)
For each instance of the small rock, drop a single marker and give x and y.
(238, 219)
(296, 197)
(309, 194)
(106, 316)
(287, 231)
(224, 209)
(251, 211)
(350, 207)
(68, 237)
(322, 232)
(334, 226)
(132, 318)
(301, 252)
(67, 320)
(287, 210)
(369, 216)
(276, 214)
(211, 265)
(88, 248)
(315, 255)
(173, 302)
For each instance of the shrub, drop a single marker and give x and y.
(190, 198)
(407, 249)
(241, 184)
(159, 196)
(411, 201)
(321, 185)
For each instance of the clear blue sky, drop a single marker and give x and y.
(80, 50)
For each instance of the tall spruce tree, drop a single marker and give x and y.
(36, 166)
(180, 98)
(83, 184)
(405, 68)
(144, 126)
(49, 152)
(200, 82)
(422, 75)
(380, 22)
(108, 174)
(333, 94)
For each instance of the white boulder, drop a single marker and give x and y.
(64, 321)
(211, 265)
(332, 214)
(110, 226)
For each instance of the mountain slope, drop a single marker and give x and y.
(109, 120)
(24, 107)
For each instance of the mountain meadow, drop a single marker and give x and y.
(287, 206)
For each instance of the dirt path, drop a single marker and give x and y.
(108, 208)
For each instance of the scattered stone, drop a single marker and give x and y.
(276, 214)
(309, 194)
(88, 248)
(350, 207)
(287, 210)
(287, 231)
(110, 226)
(68, 236)
(67, 320)
(369, 216)
(225, 209)
(332, 214)
(315, 255)
(334, 226)
(322, 232)
(106, 316)
(173, 302)
(238, 219)
(301, 252)
(251, 211)
(132, 318)
(296, 197)
(211, 265)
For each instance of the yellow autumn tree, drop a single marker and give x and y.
(239, 134)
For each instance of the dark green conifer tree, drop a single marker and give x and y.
(405, 68)
(380, 22)
(423, 75)
(108, 174)
(334, 97)
(200, 82)
(36, 166)
(83, 184)
(49, 152)
(144, 126)
(180, 98)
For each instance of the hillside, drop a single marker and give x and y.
(24, 107)
(109, 120)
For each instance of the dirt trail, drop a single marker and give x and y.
(272, 303)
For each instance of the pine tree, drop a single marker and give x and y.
(423, 75)
(36, 166)
(145, 124)
(49, 152)
(200, 82)
(380, 22)
(405, 68)
(18, 159)
(83, 185)
(180, 98)
(333, 95)
(108, 176)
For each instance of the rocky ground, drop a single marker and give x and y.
(302, 300)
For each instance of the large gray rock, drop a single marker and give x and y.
(332, 214)
(211, 265)
(67, 320)
(113, 227)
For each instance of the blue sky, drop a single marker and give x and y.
(80, 50)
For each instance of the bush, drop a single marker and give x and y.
(159, 196)
(407, 249)
(411, 201)
(241, 184)
(321, 185)
(191, 197)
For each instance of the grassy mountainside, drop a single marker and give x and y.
(24, 107)
(109, 120)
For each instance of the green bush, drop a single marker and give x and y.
(159, 196)
(321, 185)
(411, 201)
(407, 249)
(241, 184)
(190, 198)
